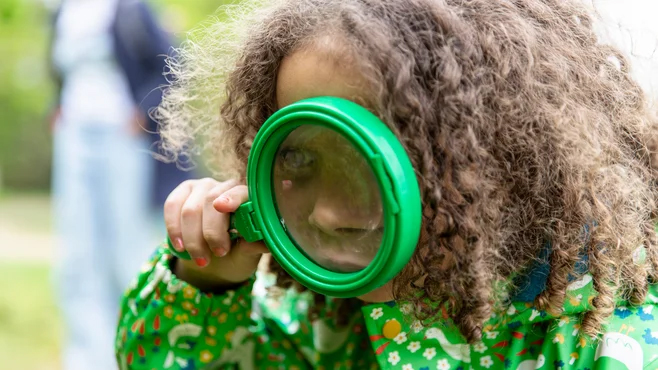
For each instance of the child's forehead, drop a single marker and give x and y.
(319, 70)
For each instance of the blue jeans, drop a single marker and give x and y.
(106, 230)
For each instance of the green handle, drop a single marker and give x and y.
(241, 225)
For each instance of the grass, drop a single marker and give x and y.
(30, 325)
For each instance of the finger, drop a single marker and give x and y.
(220, 188)
(172, 211)
(256, 248)
(230, 200)
(246, 255)
(215, 224)
(192, 222)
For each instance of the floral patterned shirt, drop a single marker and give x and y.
(167, 324)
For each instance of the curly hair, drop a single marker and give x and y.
(522, 127)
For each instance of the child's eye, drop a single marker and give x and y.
(296, 160)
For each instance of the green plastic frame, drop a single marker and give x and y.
(393, 171)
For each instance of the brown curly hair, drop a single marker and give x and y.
(522, 127)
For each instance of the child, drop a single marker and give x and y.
(537, 249)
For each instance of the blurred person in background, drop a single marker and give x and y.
(108, 59)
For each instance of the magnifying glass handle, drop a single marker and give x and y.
(241, 225)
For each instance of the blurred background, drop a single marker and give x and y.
(31, 328)
(30, 325)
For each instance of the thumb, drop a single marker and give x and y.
(246, 255)
(246, 249)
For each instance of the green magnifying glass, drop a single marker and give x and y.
(333, 195)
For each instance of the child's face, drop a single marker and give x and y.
(332, 203)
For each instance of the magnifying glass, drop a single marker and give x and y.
(333, 195)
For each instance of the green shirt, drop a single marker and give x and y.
(166, 323)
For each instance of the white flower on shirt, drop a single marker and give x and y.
(413, 347)
(486, 361)
(429, 353)
(394, 358)
(442, 365)
(229, 297)
(407, 367)
(406, 308)
(479, 347)
(377, 313)
(492, 334)
(417, 326)
(400, 338)
(541, 360)
(511, 310)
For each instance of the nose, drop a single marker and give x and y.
(337, 219)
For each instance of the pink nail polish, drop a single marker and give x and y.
(201, 262)
(179, 244)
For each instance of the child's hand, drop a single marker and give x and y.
(197, 216)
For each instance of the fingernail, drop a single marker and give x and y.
(219, 252)
(223, 199)
(178, 245)
(201, 261)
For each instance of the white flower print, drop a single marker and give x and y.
(511, 310)
(407, 367)
(400, 338)
(417, 326)
(406, 308)
(229, 297)
(486, 361)
(541, 360)
(413, 347)
(492, 334)
(394, 358)
(429, 353)
(479, 347)
(442, 364)
(377, 313)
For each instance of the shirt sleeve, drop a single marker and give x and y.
(166, 323)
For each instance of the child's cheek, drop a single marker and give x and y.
(383, 294)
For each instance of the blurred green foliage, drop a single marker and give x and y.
(26, 96)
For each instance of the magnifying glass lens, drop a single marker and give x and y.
(328, 199)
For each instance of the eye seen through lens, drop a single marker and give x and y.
(328, 199)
